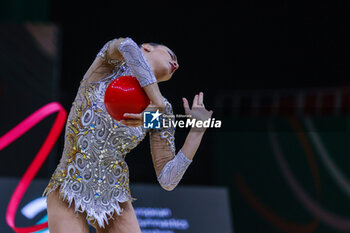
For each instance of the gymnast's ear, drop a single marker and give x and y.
(147, 47)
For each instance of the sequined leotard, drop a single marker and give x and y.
(92, 171)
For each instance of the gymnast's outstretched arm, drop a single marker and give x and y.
(169, 165)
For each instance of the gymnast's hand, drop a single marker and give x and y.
(198, 110)
(136, 119)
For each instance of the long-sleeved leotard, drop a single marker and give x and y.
(92, 171)
(169, 168)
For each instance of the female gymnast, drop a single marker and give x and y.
(91, 182)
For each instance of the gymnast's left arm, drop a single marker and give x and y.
(169, 165)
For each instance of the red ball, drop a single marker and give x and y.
(125, 95)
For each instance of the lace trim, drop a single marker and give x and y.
(173, 171)
(98, 214)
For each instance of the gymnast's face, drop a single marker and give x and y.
(162, 60)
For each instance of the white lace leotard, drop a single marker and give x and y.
(92, 171)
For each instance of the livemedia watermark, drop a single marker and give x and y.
(153, 120)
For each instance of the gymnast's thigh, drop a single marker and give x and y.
(62, 218)
(124, 223)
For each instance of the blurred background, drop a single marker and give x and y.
(276, 75)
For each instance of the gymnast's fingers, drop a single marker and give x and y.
(200, 99)
(133, 116)
(131, 122)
